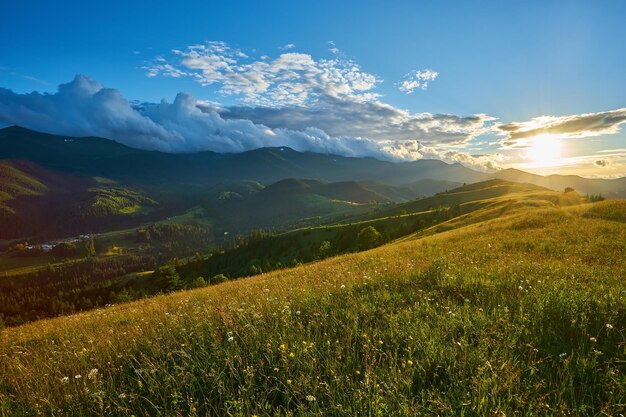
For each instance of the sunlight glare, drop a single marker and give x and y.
(544, 150)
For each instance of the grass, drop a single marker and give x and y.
(523, 314)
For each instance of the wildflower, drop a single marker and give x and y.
(343, 286)
(593, 339)
(282, 346)
(65, 380)
(409, 362)
(121, 396)
(93, 374)
(562, 355)
(310, 398)
(230, 339)
(289, 382)
(79, 376)
(292, 355)
(609, 326)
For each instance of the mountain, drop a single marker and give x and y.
(612, 188)
(37, 200)
(102, 157)
(55, 185)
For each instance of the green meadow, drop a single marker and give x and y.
(516, 308)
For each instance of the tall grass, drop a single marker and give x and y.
(496, 318)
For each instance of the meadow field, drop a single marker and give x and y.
(523, 313)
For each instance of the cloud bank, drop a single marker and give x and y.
(375, 120)
(516, 134)
(83, 107)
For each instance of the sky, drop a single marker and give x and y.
(534, 85)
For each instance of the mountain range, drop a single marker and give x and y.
(51, 185)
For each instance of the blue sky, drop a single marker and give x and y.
(512, 61)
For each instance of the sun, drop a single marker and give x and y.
(544, 150)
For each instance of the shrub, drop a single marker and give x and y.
(368, 238)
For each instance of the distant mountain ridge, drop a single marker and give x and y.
(102, 157)
(53, 184)
(607, 187)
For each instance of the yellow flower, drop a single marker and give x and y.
(289, 382)
(409, 362)
(291, 355)
(283, 347)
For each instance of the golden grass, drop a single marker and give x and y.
(515, 270)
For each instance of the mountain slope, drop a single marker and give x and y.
(37, 201)
(100, 157)
(610, 188)
(523, 314)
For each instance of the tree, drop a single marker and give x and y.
(169, 277)
(368, 238)
(568, 190)
(91, 247)
(325, 249)
(199, 282)
(595, 197)
(218, 279)
(64, 250)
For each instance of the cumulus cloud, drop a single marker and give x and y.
(417, 79)
(517, 134)
(289, 79)
(83, 107)
(372, 119)
(295, 91)
(286, 47)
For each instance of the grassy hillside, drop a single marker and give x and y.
(523, 314)
(42, 203)
(612, 188)
(47, 284)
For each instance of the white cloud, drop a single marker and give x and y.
(289, 79)
(84, 107)
(519, 134)
(418, 79)
(296, 91)
(287, 47)
(371, 119)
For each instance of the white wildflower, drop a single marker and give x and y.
(65, 380)
(310, 398)
(609, 326)
(79, 376)
(93, 374)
